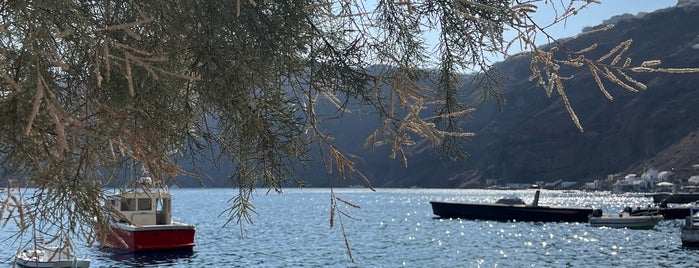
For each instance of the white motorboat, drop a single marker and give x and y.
(624, 220)
(42, 255)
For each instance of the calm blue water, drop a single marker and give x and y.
(396, 228)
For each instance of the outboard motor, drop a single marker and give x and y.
(597, 212)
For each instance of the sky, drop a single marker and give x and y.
(592, 15)
(595, 14)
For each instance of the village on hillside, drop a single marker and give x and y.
(652, 180)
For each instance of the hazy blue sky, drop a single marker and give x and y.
(593, 15)
(596, 13)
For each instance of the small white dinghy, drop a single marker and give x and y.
(42, 255)
(624, 220)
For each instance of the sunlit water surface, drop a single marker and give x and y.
(396, 228)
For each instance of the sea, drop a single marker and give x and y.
(394, 228)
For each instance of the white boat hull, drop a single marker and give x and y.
(42, 255)
(54, 264)
(689, 233)
(631, 222)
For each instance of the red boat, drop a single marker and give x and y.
(143, 221)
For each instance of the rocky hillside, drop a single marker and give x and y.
(678, 157)
(533, 139)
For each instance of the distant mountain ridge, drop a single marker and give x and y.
(533, 138)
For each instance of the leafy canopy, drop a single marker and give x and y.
(92, 89)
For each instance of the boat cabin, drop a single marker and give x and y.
(510, 200)
(143, 206)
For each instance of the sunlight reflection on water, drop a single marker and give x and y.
(396, 227)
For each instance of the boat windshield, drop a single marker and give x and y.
(510, 200)
(163, 205)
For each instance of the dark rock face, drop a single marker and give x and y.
(538, 141)
(533, 138)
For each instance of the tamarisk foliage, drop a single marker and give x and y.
(89, 89)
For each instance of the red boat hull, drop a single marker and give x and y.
(151, 238)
